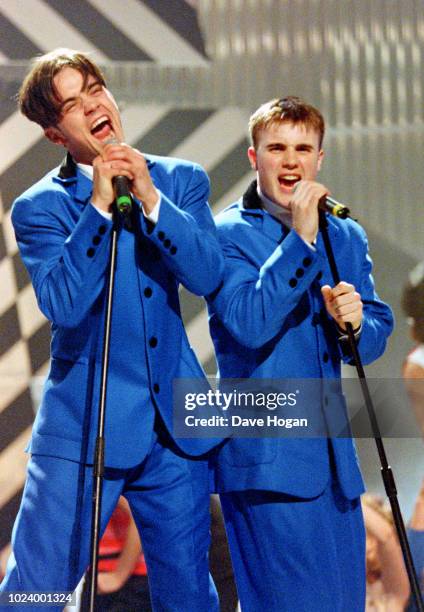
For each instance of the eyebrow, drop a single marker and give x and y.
(304, 145)
(85, 87)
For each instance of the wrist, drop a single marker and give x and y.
(101, 204)
(149, 201)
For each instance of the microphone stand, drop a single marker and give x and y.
(98, 464)
(386, 470)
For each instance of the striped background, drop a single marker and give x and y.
(188, 74)
(26, 156)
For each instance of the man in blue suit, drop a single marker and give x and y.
(63, 227)
(291, 506)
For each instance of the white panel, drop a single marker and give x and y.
(9, 234)
(45, 27)
(30, 316)
(7, 284)
(13, 462)
(14, 373)
(149, 32)
(17, 136)
(198, 335)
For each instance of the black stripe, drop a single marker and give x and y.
(21, 274)
(182, 18)
(10, 332)
(191, 305)
(28, 169)
(172, 129)
(7, 517)
(229, 170)
(39, 347)
(16, 418)
(99, 30)
(13, 43)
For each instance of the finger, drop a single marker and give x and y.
(342, 288)
(346, 299)
(327, 293)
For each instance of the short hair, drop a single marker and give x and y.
(413, 301)
(38, 98)
(286, 110)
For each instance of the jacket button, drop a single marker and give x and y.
(167, 243)
(325, 357)
(319, 276)
(148, 292)
(153, 342)
(300, 272)
(307, 261)
(90, 252)
(96, 240)
(173, 250)
(102, 229)
(156, 388)
(292, 282)
(161, 235)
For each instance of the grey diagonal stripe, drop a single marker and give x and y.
(8, 91)
(28, 169)
(39, 347)
(2, 243)
(99, 30)
(16, 418)
(171, 130)
(13, 42)
(228, 170)
(8, 514)
(21, 275)
(183, 19)
(10, 331)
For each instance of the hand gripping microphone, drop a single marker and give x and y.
(121, 186)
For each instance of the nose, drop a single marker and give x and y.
(290, 158)
(89, 103)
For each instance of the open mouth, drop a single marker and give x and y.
(101, 128)
(289, 180)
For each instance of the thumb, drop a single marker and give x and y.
(327, 293)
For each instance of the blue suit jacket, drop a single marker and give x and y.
(65, 245)
(268, 320)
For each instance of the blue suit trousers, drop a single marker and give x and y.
(169, 499)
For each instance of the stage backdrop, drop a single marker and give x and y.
(187, 75)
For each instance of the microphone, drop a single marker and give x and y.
(123, 200)
(121, 186)
(331, 206)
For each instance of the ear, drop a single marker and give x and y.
(320, 159)
(251, 154)
(55, 136)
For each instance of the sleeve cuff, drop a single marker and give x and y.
(154, 215)
(342, 335)
(106, 215)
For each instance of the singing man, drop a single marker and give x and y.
(291, 506)
(63, 228)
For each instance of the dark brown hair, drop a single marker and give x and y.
(288, 110)
(38, 99)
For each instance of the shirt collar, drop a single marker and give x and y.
(86, 170)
